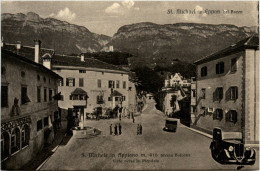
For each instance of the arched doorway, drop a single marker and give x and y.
(5, 145)
(15, 140)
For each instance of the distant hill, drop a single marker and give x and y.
(62, 36)
(183, 41)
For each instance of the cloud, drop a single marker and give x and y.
(64, 14)
(120, 9)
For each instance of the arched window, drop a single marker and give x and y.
(25, 135)
(5, 141)
(15, 140)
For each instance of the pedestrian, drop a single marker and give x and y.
(120, 116)
(133, 120)
(120, 129)
(115, 131)
(138, 129)
(111, 130)
(141, 129)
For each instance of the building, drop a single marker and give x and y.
(28, 108)
(228, 90)
(176, 86)
(175, 80)
(193, 99)
(90, 85)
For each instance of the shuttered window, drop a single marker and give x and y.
(4, 96)
(81, 82)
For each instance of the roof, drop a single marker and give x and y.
(61, 60)
(248, 43)
(8, 54)
(116, 93)
(79, 91)
(27, 51)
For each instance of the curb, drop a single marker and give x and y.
(200, 132)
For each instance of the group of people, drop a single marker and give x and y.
(117, 129)
(139, 129)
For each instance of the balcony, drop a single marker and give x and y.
(78, 102)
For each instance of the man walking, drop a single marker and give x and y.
(138, 129)
(120, 129)
(111, 131)
(141, 129)
(115, 131)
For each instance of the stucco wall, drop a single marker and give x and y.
(36, 110)
(210, 83)
(251, 96)
(91, 87)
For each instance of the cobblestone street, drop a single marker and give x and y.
(155, 149)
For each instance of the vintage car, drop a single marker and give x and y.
(228, 148)
(170, 125)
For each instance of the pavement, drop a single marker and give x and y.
(155, 149)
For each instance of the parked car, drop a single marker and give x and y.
(228, 148)
(170, 125)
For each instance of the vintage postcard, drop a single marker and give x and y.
(129, 85)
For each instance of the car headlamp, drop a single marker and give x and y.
(230, 148)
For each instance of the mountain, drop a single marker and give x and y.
(183, 41)
(55, 34)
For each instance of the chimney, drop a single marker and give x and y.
(2, 43)
(82, 57)
(37, 47)
(46, 59)
(18, 45)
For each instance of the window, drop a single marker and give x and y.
(111, 84)
(231, 116)
(203, 71)
(24, 98)
(82, 71)
(123, 98)
(38, 77)
(233, 93)
(117, 98)
(50, 94)
(25, 135)
(124, 85)
(60, 82)
(109, 98)
(38, 94)
(78, 97)
(49, 81)
(22, 74)
(203, 93)
(5, 140)
(100, 100)
(44, 79)
(4, 96)
(81, 82)
(15, 140)
(39, 125)
(70, 82)
(117, 84)
(234, 65)
(45, 94)
(99, 83)
(220, 68)
(218, 93)
(193, 109)
(46, 121)
(218, 115)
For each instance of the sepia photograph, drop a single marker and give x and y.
(129, 85)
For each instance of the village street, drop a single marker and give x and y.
(184, 149)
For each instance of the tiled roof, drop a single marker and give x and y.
(61, 60)
(79, 91)
(8, 54)
(27, 51)
(248, 43)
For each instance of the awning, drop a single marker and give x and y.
(79, 91)
(116, 93)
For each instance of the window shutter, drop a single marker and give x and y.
(215, 95)
(220, 114)
(236, 90)
(215, 115)
(227, 116)
(228, 94)
(73, 81)
(221, 93)
(235, 117)
(217, 68)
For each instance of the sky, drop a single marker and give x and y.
(106, 17)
